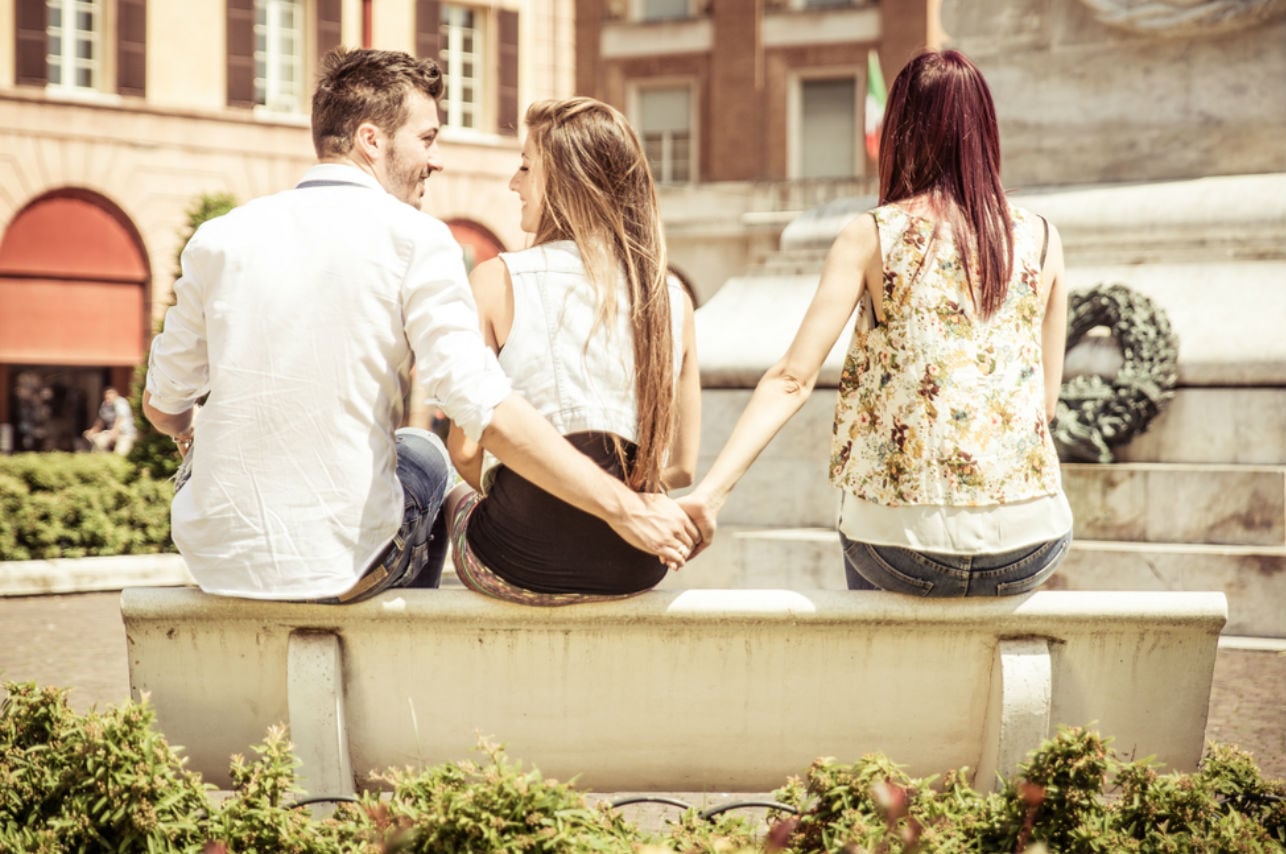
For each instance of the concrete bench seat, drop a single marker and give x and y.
(681, 691)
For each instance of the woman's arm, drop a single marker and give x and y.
(784, 388)
(1053, 333)
(682, 465)
(466, 456)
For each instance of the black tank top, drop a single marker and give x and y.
(538, 542)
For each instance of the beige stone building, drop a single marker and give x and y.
(116, 116)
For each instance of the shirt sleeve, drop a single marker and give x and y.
(452, 361)
(178, 370)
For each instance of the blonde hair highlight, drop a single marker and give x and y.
(599, 193)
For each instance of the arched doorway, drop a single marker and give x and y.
(477, 241)
(73, 316)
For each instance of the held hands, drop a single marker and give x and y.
(658, 525)
(703, 515)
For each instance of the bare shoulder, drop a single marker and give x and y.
(858, 239)
(489, 278)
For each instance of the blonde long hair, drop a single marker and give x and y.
(599, 193)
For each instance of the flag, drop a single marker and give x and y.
(876, 95)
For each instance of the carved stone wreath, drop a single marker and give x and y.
(1096, 414)
(1182, 17)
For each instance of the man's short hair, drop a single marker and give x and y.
(366, 86)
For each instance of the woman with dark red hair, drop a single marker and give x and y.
(941, 445)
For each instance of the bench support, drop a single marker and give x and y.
(315, 697)
(1018, 711)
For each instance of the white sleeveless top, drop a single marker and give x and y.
(578, 376)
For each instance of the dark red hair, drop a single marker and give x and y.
(940, 138)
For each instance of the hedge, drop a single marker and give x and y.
(109, 782)
(57, 504)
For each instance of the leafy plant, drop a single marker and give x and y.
(108, 782)
(75, 505)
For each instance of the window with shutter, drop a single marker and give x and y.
(279, 55)
(462, 57)
(241, 53)
(31, 43)
(828, 132)
(664, 121)
(507, 116)
(131, 47)
(329, 23)
(74, 60)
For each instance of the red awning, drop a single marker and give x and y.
(70, 322)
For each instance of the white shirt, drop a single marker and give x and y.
(299, 314)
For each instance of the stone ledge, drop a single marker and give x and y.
(82, 575)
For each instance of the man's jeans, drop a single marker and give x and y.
(419, 548)
(932, 574)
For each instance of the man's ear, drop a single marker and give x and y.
(368, 140)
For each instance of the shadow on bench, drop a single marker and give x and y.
(697, 690)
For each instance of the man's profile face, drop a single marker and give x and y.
(413, 150)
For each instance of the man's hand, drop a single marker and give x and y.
(658, 525)
(703, 516)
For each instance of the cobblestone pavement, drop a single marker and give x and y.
(78, 641)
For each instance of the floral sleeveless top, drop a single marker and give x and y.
(936, 405)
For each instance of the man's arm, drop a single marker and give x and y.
(174, 425)
(457, 370)
(529, 445)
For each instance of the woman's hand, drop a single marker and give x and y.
(704, 516)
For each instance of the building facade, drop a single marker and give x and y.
(751, 110)
(118, 116)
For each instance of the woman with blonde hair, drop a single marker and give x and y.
(595, 334)
(941, 447)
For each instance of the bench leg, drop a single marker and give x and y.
(1018, 711)
(315, 697)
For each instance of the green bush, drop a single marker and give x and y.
(57, 504)
(108, 782)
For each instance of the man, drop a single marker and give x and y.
(114, 428)
(300, 314)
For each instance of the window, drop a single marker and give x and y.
(827, 128)
(665, 126)
(462, 61)
(75, 30)
(279, 54)
(662, 10)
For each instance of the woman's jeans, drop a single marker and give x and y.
(902, 570)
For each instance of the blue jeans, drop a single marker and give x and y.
(419, 548)
(935, 574)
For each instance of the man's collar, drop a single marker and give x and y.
(342, 172)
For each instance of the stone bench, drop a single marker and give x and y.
(680, 691)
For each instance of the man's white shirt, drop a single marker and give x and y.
(300, 314)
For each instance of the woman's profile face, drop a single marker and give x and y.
(528, 183)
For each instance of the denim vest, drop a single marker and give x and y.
(577, 374)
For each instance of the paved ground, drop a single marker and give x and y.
(78, 641)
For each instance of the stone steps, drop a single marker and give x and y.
(1253, 577)
(1178, 503)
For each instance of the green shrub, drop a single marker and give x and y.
(57, 504)
(108, 782)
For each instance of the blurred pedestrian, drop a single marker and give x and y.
(114, 428)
